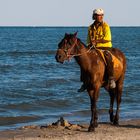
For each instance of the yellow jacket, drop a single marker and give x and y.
(102, 32)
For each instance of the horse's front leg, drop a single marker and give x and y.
(94, 116)
(118, 99)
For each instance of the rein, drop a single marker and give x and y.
(70, 55)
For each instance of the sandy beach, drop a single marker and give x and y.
(127, 130)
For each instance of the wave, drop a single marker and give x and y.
(17, 119)
(19, 53)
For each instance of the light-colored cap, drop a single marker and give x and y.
(98, 11)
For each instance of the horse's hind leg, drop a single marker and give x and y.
(112, 97)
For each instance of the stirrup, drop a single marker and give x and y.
(112, 83)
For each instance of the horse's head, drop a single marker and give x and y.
(66, 47)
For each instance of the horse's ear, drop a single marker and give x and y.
(66, 34)
(75, 34)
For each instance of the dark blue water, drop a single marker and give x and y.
(35, 89)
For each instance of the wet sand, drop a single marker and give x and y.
(127, 130)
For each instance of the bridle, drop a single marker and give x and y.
(68, 51)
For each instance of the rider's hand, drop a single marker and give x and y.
(94, 42)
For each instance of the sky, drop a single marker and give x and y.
(67, 12)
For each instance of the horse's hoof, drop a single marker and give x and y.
(116, 123)
(96, 125)
(112, 118)
(91, 129)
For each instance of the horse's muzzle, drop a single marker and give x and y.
(59, 58)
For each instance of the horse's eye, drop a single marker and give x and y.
(65, 41)
(70, 42)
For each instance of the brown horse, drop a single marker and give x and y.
(93, 73)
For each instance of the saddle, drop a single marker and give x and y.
(116, 62)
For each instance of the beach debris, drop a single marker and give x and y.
(62, 122)
(30, 127)
(73, 127)
(59, 124)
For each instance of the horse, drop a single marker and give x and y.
(93, 73)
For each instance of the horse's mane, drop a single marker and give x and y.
(79, 40)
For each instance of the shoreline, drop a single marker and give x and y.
(127, 130)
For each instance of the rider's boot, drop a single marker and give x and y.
(109, 67)
(82, 88)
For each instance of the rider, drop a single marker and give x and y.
(99, 36)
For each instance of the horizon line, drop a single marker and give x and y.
(45, 26)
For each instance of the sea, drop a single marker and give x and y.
(36, 90)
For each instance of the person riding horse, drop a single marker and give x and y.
(99, 36)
